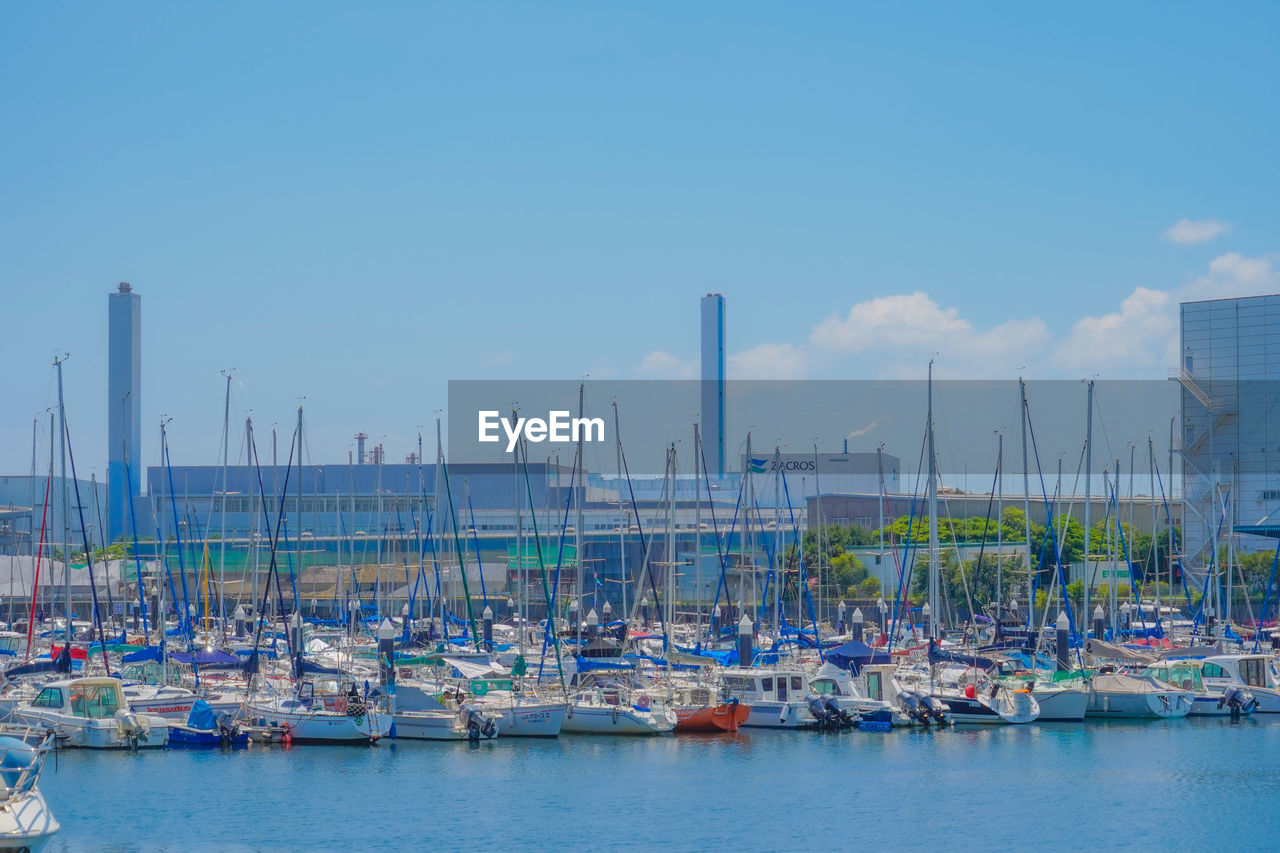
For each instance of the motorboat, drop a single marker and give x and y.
(516, 714)
(698, 709)
(1255, 672)
(972, 697)
(850, 692)
(1122, 695)
(778, 698)
(92, 713)
(1221, 699)
(606, 710)
(311, 718)
(205, 727)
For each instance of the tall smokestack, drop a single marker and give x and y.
(361, 438)
(713, 379)
(124, 404)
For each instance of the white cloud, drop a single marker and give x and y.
(895, 336)
(1143, 333)
(914, 325)
(1189, 232)
(663, 365)
(768, 361)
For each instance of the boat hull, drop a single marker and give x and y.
(778, 715)
(544, 720)
(1208, 706)
(185, 737)
(591, 720)
(1138, 706)
(976, 711)
(1062, 706)
(428, 725)
(714, 719)
(26, 823)
(324, 726)
(94, 734)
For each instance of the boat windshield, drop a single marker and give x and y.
(94, 701)
(1181, 675)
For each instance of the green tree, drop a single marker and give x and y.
(848, 572)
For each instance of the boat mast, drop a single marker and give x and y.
(697, 527)
(253, 527)
(1088, 483)
(578, 520)
(297, 535)
(66, 522)
(515, 479)
(999, 521)
(222, 536)
(934, 597)
(1155, 524)
(778, 565)
(1026, 494)
(623, 525)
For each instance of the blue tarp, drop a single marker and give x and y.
(62, 663)
(856, 654)
(205, 657)
(202, 716)
(307, 667)
(593, 664)
(142, 655)
(936, 654)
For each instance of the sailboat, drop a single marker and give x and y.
(26, 823)
(996, 705)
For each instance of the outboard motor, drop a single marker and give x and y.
(909, 702)
(840, 715)
(1238, 701)
(131, 727)
(935, 708)
(227, 730)
(818, 709)
(478, 723)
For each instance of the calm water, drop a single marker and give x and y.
(1180, 784)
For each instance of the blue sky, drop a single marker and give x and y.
(357, 204)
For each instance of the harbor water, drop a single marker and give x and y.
(1177, 784)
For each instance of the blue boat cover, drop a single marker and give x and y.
(62, 663)
(205, 657)
(594, 664)
(855, 654)
(202, 716)
(143, 655)
(307, 667)
(936, 654)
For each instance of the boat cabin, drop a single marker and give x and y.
(752, 686)
(87, 698)
(1179, 673)
(1252, 670)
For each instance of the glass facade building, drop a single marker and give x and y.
(1230, 443)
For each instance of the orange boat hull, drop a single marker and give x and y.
(726, 717)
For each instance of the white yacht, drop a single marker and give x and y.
(312, 718)
(609, 711)
(25, 820)
(92, 713)
(1223, 698)
(1126, 696)
(778, 698)
(1254, 672)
